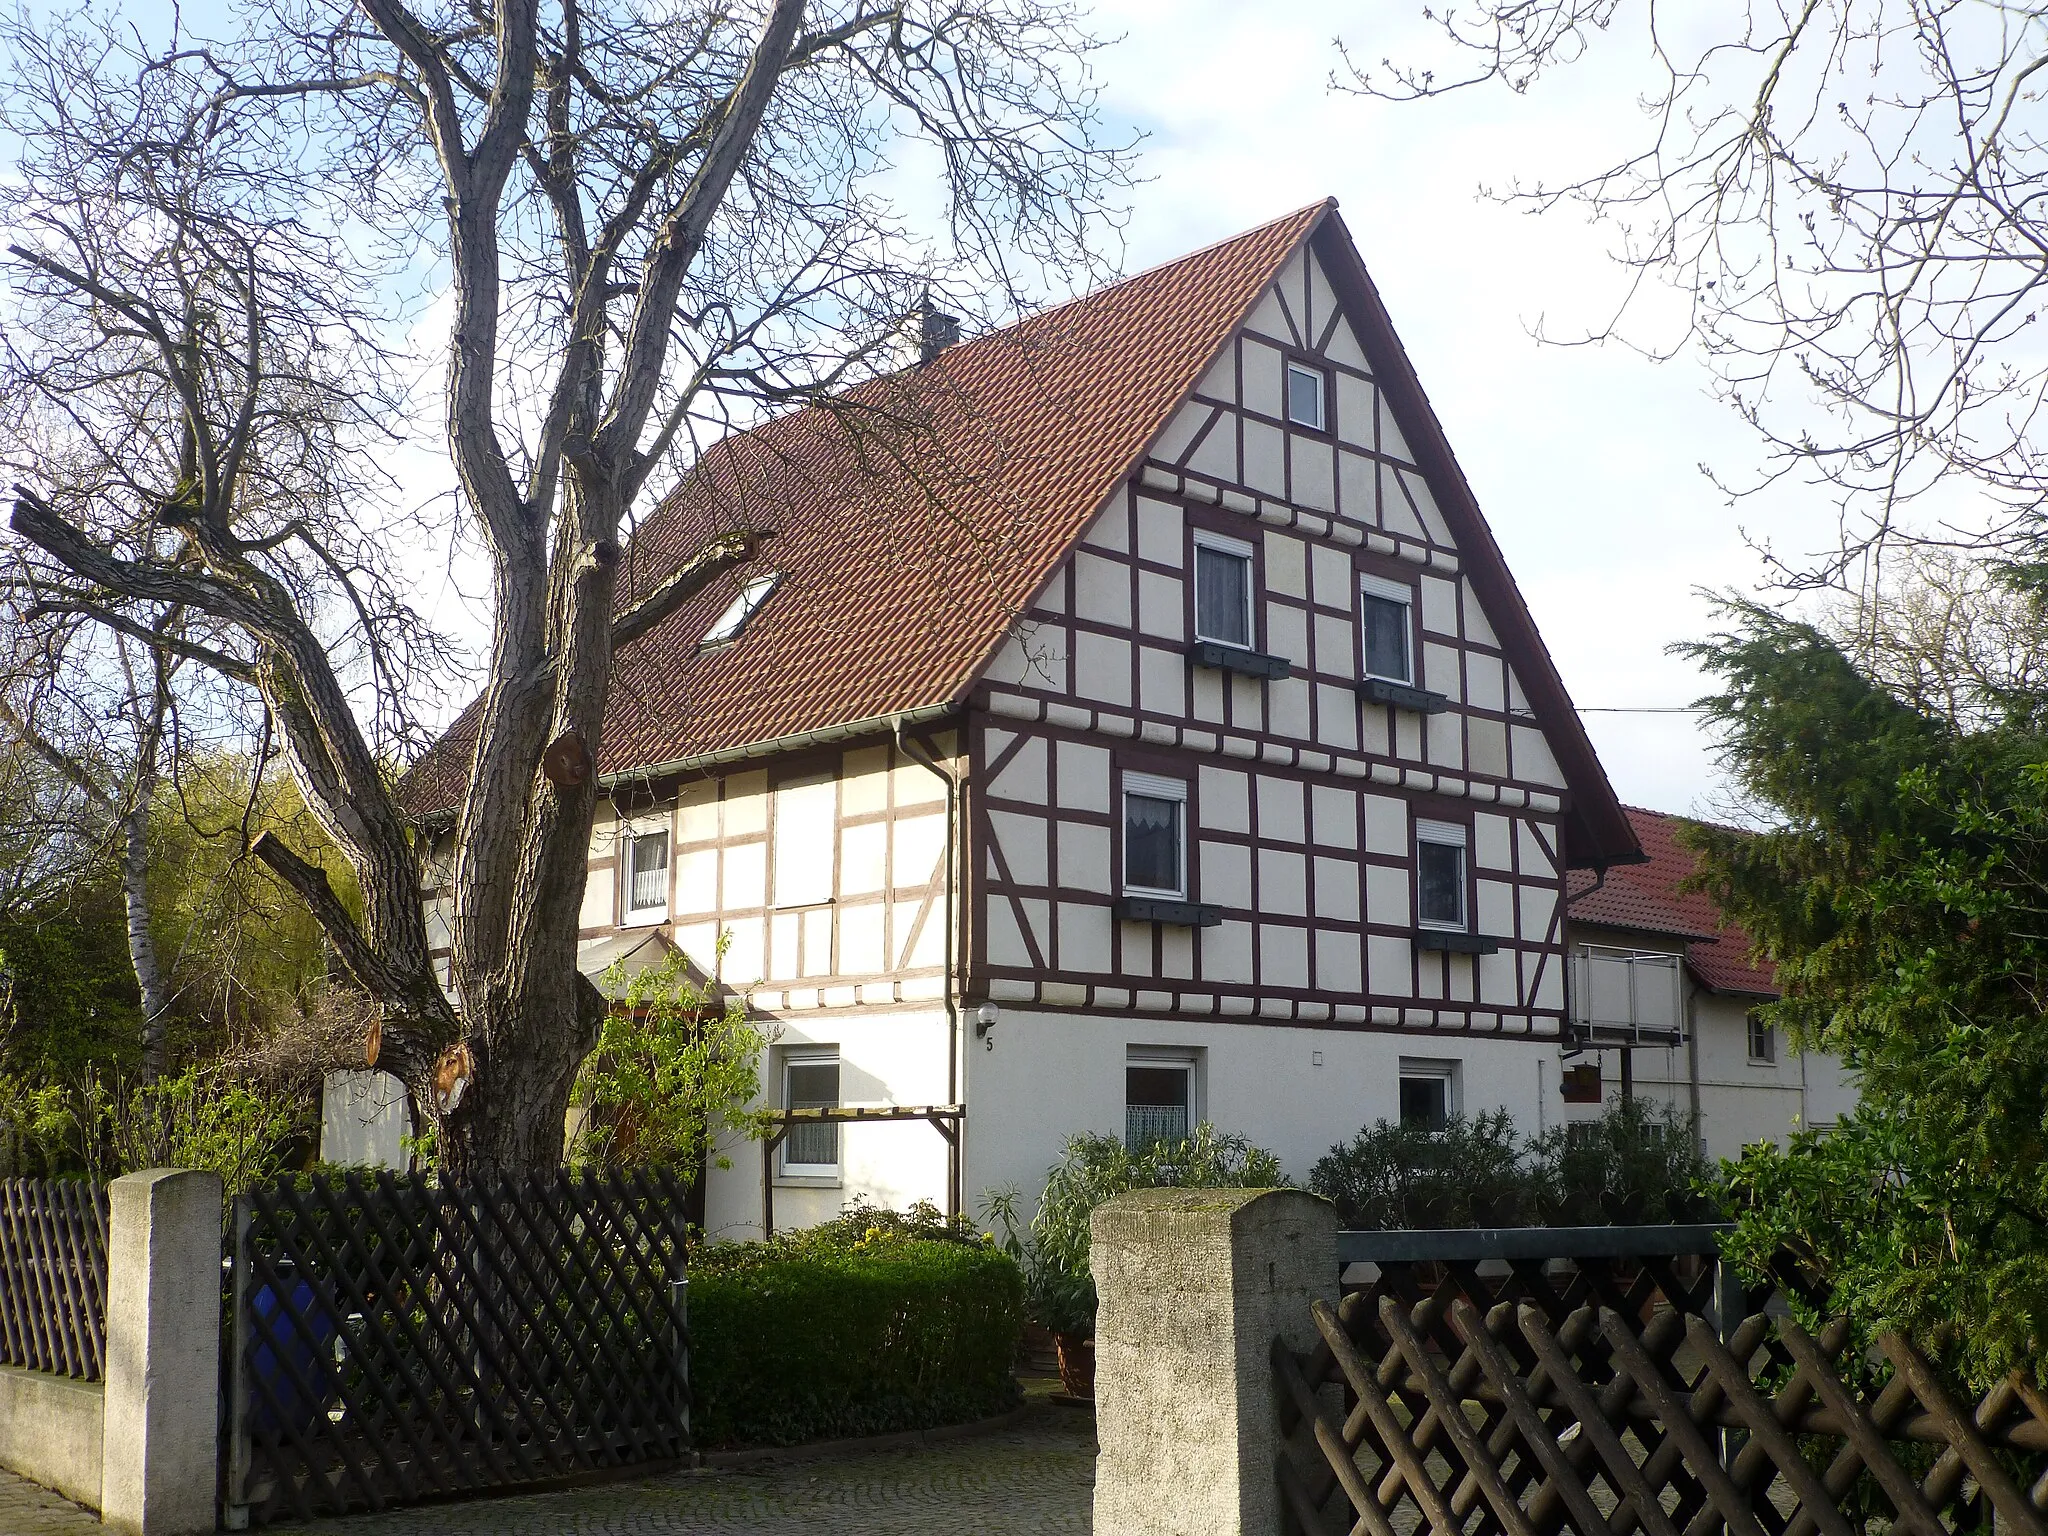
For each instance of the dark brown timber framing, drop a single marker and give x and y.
(1597, 832)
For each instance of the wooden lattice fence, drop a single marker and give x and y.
(53, 1276)
(1523, 1397)
(395, 1341)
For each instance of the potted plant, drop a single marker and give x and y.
(1063, 1302)
(1060, 1289)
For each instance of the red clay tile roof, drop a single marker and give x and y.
(906, 554)
(1646, 897)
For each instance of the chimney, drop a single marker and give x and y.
(936, 331)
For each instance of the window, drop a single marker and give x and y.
(742, 608)
(1429, 1093)
(1763, 1041)
(647, 873)
(1155, 824)
(1439, 874)
(810, 1080)
(803, 842)
(1305, 391)
(1384, 609)
(1159, 1099)
(1223, 590)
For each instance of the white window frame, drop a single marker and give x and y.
(1391, 592)
(631, 832)
(1155, 787)
(1322, 378)
(1750, 1025)
(1186, 1059)
(732, 623)
(1238, 549)
(811, 1173)
(1447, 1072)
(1445, 834)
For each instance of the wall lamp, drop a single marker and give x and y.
(985, 1023)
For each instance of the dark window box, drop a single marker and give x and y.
(1450, 942)
(1235, 658)
(1163, 909)
(1377, 690)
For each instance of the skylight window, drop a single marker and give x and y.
(743, 608)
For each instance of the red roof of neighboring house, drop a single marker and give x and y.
(1646, 897)
(906, 555)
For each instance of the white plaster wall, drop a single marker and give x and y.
(1052, 1074)
(1741, 1102)
(885, 1057)
(364, 1120)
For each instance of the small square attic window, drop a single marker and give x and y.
(1305, 389)
(742, 608)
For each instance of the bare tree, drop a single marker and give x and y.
(1953, 637)
(100, 725)
(1847, 197)
(649, 223)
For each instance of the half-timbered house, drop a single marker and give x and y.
(1130, 722)
(1665, 997)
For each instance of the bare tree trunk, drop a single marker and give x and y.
(658, 149)
(149, 976)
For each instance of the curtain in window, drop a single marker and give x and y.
(1440, 879)
(1155, 1105)
(1386, 638)
(649, 888)
(1151, 843)
(812, 1085)
(1223, 584)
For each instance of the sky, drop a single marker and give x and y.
(1585, 460)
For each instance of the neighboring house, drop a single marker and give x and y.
(1664, 989)
(1149, 731)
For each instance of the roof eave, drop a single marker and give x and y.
(797, 741)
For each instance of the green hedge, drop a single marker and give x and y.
(801, 1339)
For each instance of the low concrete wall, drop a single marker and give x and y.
(50, 1431)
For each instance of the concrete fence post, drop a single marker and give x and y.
(163, 1353)
(1195, 1284)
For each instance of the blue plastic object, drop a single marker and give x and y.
(298, 1391)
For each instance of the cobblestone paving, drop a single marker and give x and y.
(28, 1510)
(1036, 1477)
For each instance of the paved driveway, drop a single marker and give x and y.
(27, 1510)
(1037, 1476)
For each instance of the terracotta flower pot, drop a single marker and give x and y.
(1077, 1364)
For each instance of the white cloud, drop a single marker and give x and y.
(1586, 460)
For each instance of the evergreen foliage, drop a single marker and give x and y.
(1091, 1169)
(871, 1324)
(1638, 1163)
(1901, 895)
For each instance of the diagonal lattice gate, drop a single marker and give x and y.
(394, 1341)
(1535, 1401)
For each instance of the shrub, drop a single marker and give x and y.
(1469, 1174)
(1093, 1168)
(672, 1067)
(868, 1325)
(1638, 1163)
